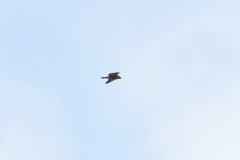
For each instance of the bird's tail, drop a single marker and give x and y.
(104, 77)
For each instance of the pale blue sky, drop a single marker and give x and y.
(178, 98)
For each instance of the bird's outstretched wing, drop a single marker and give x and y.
(109, 81)
(113, 74)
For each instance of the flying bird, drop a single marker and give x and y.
(112, 76)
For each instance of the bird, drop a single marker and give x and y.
(112, 76)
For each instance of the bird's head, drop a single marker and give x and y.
(118, 77)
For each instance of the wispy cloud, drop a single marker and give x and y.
(201, 130)
(33, 125)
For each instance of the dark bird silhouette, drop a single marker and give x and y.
(112, 76)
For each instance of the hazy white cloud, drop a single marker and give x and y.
(32, 123)
(203, 129)
(201, 119)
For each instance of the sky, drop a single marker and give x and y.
(178, 98)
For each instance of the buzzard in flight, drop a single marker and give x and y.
(112, 76)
